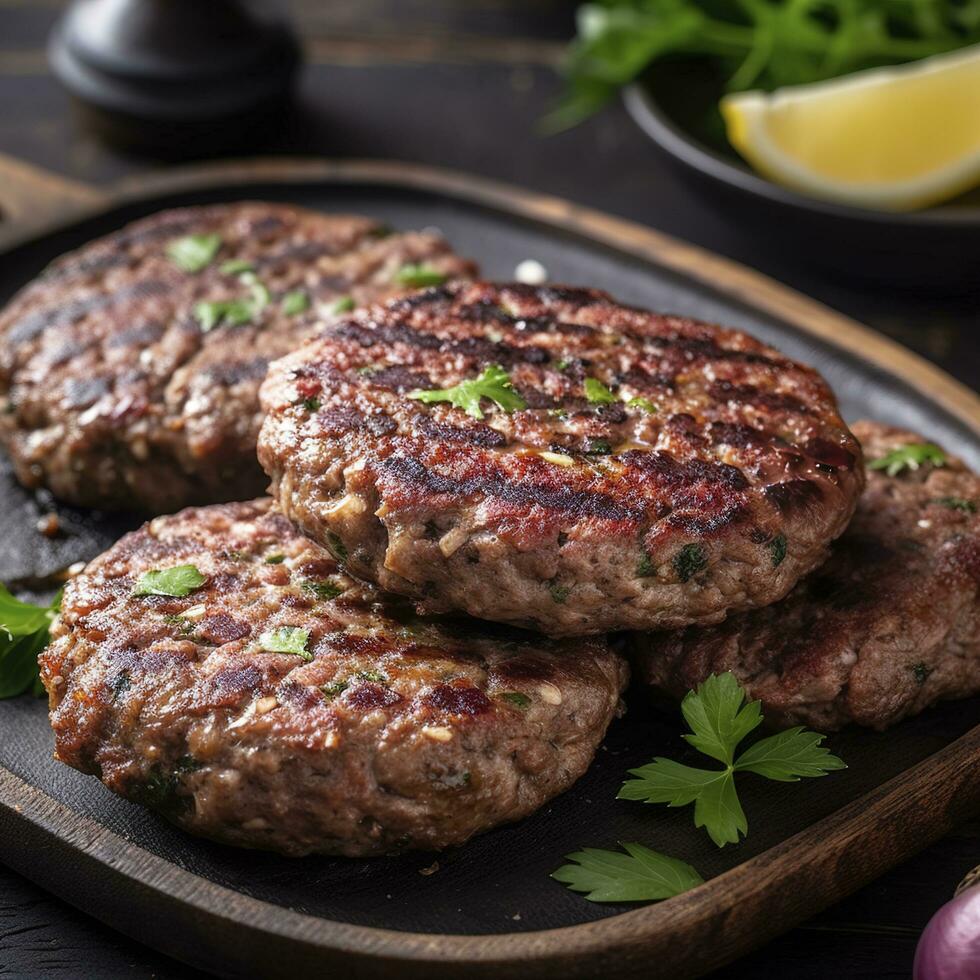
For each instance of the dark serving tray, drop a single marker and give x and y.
(490, 908)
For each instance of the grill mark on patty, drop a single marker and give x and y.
(232, 372)
(30, 326)
(672, 473)
(373, 334)
(399, 378)
(473, 435)
(564, 500)
(793, 495)
(726, 391)
(369, 696)
(82, 392)
(115, 248)
(143, 334)
(457, 700)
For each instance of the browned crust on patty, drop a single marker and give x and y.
(887, 627)
(112, 395)
(661, 518)
(398, 733)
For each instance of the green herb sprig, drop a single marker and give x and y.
(419, 275)
(752, 44)
(719, 720)
(23, 635)
(909, 457)
(493, 383)
(639, 875)
(193, 253)
(179, 581)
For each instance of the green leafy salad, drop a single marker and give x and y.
(761, 44)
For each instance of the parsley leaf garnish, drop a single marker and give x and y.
(750, 45)
(719, 719)
(643, 403)
(179, 581)
(234, 312)
(322, 589)
(909, 457)
(287, 639)
(235, 267)
(639, 875)
(777, 550)
(516, 698)
(418, 275)
(343, 304)
(295, 302)
(194, 252)
(690, 560)
(597, 393)
(23, 634)
(559, 593)
(494, 383)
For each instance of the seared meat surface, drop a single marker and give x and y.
(378, 732)
(129, 382)
(653, 471)
(887, 627)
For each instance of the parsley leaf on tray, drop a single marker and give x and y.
(23, 635)
(494, 383)
(639, 875)
(719, 720)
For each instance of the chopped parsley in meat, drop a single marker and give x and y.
(179, 581)
(597, 393)
(286, 639)
(298, 301)
(193, 252)
(419, 275)
(690, 560)
(777, 549)
(343, 304)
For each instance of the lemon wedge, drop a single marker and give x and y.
(888, 138)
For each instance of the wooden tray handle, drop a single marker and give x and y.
(34, 198)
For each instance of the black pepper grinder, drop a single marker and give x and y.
(180, 77)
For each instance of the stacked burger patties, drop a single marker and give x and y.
(546, 460)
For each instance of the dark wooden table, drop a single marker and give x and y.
(463, 83)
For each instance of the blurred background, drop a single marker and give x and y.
(467, 84)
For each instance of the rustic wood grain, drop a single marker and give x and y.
(33, 198)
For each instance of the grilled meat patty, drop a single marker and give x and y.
(379, 732)
(128, 382)
(643, 471)
(887, 627)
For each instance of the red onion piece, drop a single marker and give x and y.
(949, 947)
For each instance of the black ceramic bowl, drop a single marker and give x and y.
(936, 249)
